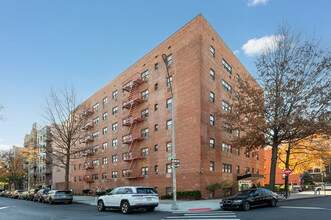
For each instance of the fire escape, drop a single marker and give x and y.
(87, 166)
(132, 156)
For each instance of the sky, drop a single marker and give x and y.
(86, 44)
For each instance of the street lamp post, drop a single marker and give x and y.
(174, 202)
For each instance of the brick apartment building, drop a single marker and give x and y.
(129, 128)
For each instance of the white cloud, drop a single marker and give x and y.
(256, 46)
(5, 147)
(236, 52)
(257, 2)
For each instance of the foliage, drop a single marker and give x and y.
(102, 193)
(307, 179)
(168, 196)
(293, 101)
(86, 191)
(109, 190)
(213, 187)
(184, 195)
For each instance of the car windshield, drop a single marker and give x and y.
(245, 193)
(145, 191)
(63, 192)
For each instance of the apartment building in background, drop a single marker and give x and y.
(129, 120)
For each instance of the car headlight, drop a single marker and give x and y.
(237, 201)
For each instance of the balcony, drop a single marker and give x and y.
(88, 126)
(88, 139)
(128, 139)
(87, 154)
(88, 167)
(130, 175)
(88, 112)
(134, 80)
(88, 179)
(134, 100)
(130, 120)
(131, 157)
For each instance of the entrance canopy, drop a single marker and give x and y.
(250, 176)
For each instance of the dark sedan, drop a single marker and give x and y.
(250, 198)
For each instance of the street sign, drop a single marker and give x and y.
(176, 165)
(175, 161)
(288, 171)
(170, 158)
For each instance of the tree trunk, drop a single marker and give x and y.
(66, 178)
(287, 164)
(273, 165)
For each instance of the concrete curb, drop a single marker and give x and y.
(315, 197)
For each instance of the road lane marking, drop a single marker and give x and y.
(296, 207)
(4, 207)
(211, 218)
(201, 216)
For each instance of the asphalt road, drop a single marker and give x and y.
(317, 208)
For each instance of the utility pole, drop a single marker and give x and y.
(174, 202)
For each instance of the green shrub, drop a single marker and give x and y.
(189, 195)
(166, 196)
(102, 193)
(86, 191)
(108, 190)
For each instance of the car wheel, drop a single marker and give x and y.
(101, 206)
(273, 203)
(150, 209)
(246, 206)
(125, 208)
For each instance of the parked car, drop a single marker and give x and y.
(297, 187)
(15, 194)
(128, 198)
(2, 193)
(39, 196)
(23, 195)
(250, 198)
(31, 194)
(7, 194)
(327, 186)
(58, 196)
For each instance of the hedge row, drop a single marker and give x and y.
(184, 195)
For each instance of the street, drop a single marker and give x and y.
(13, 209)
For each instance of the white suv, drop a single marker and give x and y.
(128, 198)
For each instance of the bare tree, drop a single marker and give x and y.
(64, 113)
(294, 103)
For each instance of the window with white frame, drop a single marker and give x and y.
(226, 66)
(104, 160)
(226, 86)
(114, 158)
(104, 176)
(169, 59)
(115, 94)
(212, 97)
(212, 51)
(247, 154)
(144, 75)
(144, 113)
(211, 166)
(238, 169)
(144, 132)
(96, 107)
(168, 168)
(156, 169)
(95, 148)
(237, 95)
(114, 142)
(104, 116)
(169, 124)
(227, 128)
(238, 151)
(212, 143)
(226, 147)
(211, 120)
(144, 94)
(238, 133)
(247, 170)
(104, 146)
(238, 77)
(95, 134)
(212, 74)
(144, 151)
(115, 110)
(105, 101)
(156, 107)
(104, 130)
(125, 173)
(226, 168)
(114, 174)
(168, 146)
(95, 163)
(95, 176)
(96, 121)
(144, 171)
(169, 103)
(226, 107)
(114, 126)
(169, 81)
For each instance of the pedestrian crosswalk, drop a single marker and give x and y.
(215, 215)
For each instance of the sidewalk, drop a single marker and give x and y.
(200, 205)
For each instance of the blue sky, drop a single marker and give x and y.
(52, 44)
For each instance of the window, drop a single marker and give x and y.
(226, 86)
(114, 158)
(226, 148)
(95, 176)
(238, 169)
(144, 151)
(114, 142)
(257, 171)
(144, 132)
(75, 167)
(80, 178)
(75, 179)
(144, 171)
(226, 66)
(168, 190)
(95, 148)
(156, 107)
(104, 116)
(156, 86)
(238, 77)
(227, 128)
(156, 169)
(238, 151)
(247, 154)
(168, 168)
(156, 127)
(96, 121)
(115, 94)
(169, 124)
(212, 74)
(169, 81)
(104, 160)
(144, 75)
(144, 113)
(96, 107)
(246, 120)
(156, 66)
(252, 170)
(156, 147)
(144, 94)
(212, 143)
(226, 168)
(115, 110)
(95, 163)
(95, 134)
(226, 107)
(168, 146)
(237, 95)
(257, 156)
(246, 170)
(169, 60)
(80, 166)
(211, 166)
(104, 146)
(238, 133)
(212, 51)
(212, 120)
(212, 97)
(105, 101)
(104, 176)
(125, 173)
(125, 156)
(114, 174)
(114, 126)
(104, 130)
(169, 102)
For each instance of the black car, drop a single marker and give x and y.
(250, 198)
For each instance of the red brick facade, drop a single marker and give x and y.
(192, 84)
